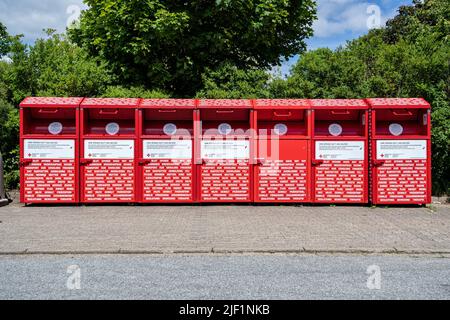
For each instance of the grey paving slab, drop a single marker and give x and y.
(225, 228)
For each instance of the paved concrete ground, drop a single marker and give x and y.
(204, 229)
(223, 277)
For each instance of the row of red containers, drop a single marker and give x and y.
(175, 150)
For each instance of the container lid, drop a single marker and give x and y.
(281, 104)
(225, 103)
(51, 102)
(389, 103)
(169, 103)
(111, 102)
(338, 104)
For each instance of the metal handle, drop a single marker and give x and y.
(143, 162)
(276, 114)
(378, 163)
(167, 111)
(47, 110)
(25, 162)
(260, 161)
(316, 162)
(407, 113)
(85, 161)
(224, 111)
(346, 112)
(103, 111)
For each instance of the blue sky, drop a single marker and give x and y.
(338, 20)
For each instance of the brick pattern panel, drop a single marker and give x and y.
(109, 180)
(402, 181)
(50, 180)
(225, 180)
(168, 180)
(282, 180)
(340, 181)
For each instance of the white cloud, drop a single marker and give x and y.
(336, 17)
(30, 17)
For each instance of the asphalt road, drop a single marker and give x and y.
(223, 277)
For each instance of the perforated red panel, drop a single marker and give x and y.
(394, 102)
(280, 103)
(283, 180)
(51, 101)
(50, 180)
(338, 103)
(230, 103)
(402, 181)
(340, 181)
(225, 180)
(168, 180)
(109, 180)
(101, 102)
(168, 103)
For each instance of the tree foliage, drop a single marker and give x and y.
(54, 67)
(4, 40)
(168, 44)
(229, 82)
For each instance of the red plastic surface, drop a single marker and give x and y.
(381, 103)
(169, 103)
(109, 181)
(283, 177)
(281, 104)
(110, 102)
(73, 102)
(225, 181)
(48, 181)
(341, 181)
(166, 180)
(225, 103)
(402, 181)
(338, 104)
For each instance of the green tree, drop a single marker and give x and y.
(169, 44)
(4, 40)
(54, 67)
(9, 142)
(229, 82)
(133, 92)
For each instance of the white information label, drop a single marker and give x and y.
(225, 149)
(167, 149)
(340, 150)
(401, 149)
(48, 149)
(109, 149)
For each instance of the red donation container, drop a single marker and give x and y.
(166, 153)
(49, 150)
(282, 169)
(401, 151)
(340, 151)
(108, 150)
(225, 138)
